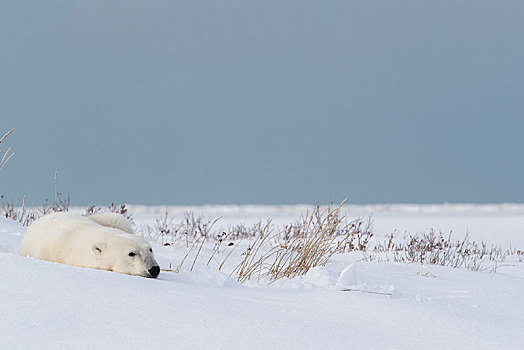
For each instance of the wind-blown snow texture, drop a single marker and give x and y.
(52, 306)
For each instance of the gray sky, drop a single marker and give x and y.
(276, 102)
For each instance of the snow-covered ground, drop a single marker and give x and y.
(390, 305)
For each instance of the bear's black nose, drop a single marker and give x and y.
(154, 271)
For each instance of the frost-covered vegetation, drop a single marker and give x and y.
(269, 252)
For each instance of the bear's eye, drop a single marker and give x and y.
(131, 254)
(151, 250)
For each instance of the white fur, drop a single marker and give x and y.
(113, 220)
(101, 241)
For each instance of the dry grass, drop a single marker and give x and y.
(220, 238)
(26, 215)
(8, 153)
(290, 252)
(60, 202)
(299, 247)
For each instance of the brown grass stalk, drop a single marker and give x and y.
(203, 241)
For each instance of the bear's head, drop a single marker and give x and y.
(127, 253)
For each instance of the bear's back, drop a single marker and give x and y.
(53, 236)
(113, 220)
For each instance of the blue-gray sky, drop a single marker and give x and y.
(276, 102)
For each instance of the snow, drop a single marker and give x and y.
(346, 304)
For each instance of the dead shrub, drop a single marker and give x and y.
(438, 249)
(23, 215)
(112, 208)
(190, 229)
(165, 229)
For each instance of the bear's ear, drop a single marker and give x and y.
(99, 248)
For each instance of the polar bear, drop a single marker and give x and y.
(101, 241)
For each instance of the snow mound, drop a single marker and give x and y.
(11, 233)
